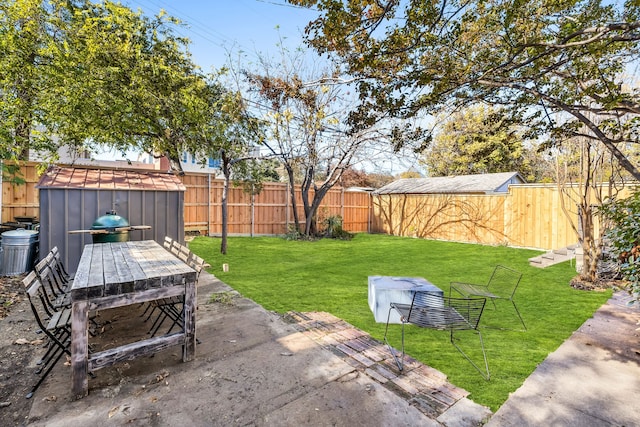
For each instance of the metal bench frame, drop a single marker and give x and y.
(502, 284)
(433, 311)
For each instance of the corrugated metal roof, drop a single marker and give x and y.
(109, 179)
(482, 183)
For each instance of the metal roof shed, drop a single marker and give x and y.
(489, 183)
(73, 198)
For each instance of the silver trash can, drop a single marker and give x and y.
(19, 249)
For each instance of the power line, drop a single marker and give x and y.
(286, 5)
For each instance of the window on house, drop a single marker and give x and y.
(214, 163)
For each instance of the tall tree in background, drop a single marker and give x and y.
(25, 38)
(132, 83)
(97, 73)
(559, 67)
(305, 116)
(232, 136)
(473, 141)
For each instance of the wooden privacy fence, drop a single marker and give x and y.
(528, 215)
(267, 213)
(21, 200)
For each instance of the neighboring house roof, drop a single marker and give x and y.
(488, 183)
(109, 179)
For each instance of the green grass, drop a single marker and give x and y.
(331, 275)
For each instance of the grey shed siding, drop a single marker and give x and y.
(66, 209)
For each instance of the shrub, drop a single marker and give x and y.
(334, 228)
(623, 231)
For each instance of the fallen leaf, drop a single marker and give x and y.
(113, 411)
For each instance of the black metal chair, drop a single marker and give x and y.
(59, 265)
(56, 286)
(168, 242)
(171, 308)
(434, 311)
(56, 325)
(502, 284)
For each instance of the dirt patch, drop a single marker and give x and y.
(599, 285)
(19, 343)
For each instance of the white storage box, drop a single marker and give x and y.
(383, 290)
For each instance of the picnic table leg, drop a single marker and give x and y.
(79, 348)
(189, 348)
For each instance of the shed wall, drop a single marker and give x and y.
(63, 210)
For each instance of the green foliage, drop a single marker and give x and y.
(252, 174)
(476, 140)
(558, 67)
(331, 275)
(224, 298)
(624, 234)
(83, 73)
(293, 233)
(12, 173)
(334, 230)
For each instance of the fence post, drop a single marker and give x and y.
(286, 206)
(342, 203)
(208, 204)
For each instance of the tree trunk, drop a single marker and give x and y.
(226, 170)
(292, 192)
(589, 266)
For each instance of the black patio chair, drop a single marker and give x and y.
(172, 308)
(433, 311)
(59, 265)
(168, 242)
(56, 325)
(56, 286)
(502, 284)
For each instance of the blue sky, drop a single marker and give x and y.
(253, 26)
(215, 26)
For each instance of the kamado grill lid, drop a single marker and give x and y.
(110, 221)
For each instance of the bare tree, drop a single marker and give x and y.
(306, 111)
(587, 176)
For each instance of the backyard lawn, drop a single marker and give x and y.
(331, 275)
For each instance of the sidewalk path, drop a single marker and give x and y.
(592, 379)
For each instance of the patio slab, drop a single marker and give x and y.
(252, 367)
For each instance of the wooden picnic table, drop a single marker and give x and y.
(119, 274)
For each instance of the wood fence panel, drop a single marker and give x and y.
(528, 215)
(537, 218)
(357, 206)
(270, 216)
(21, 199)
(215, 209)
(268, 213)
(196, 201)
